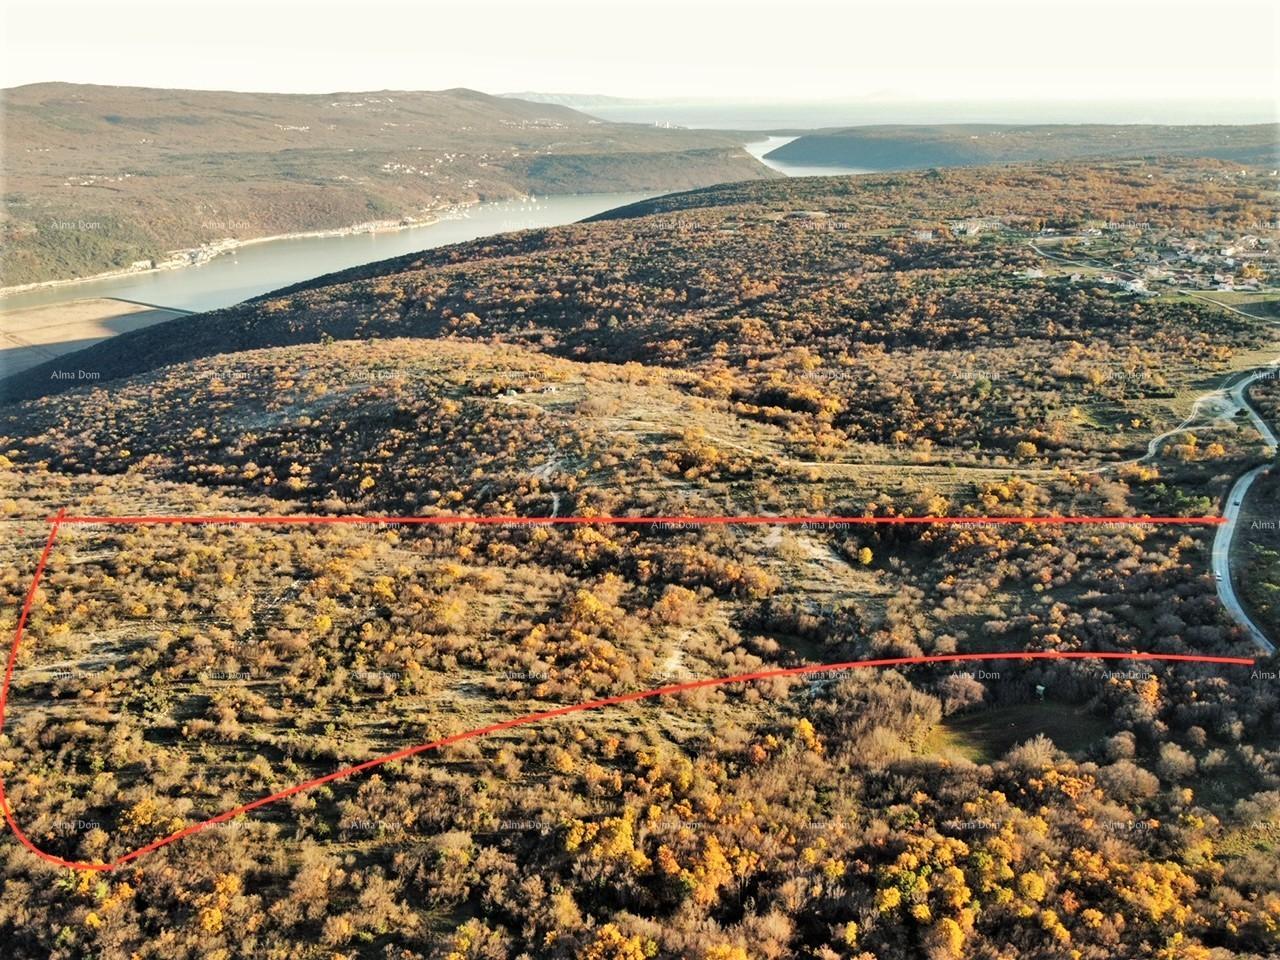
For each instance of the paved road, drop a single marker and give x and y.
(1222, 541)
(1237, 394)
(1224, 403)
(1222, 560)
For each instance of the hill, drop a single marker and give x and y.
(814, 303)
(874, 347)
(100, 178)
(958, 145)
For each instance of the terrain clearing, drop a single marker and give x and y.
(987, 734)
(971, 736)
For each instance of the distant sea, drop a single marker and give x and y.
(731, 115)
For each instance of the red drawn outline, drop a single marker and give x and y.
(538, 716)
(786, 520)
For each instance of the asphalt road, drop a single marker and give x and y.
(1223, 404)
(1225, 536)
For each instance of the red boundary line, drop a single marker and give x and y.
(453, 520)
(520, 721)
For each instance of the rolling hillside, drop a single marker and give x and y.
(99, 178)
(872, 347)
(817, 304)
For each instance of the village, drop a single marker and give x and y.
(1139, 258)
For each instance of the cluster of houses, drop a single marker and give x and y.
(1201, 263)
(964, 228)
(1210, 263)
(1129, 285)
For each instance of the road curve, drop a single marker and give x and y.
(1222, 560)
(1223, 539)
(1238, 395)
(1225, 536)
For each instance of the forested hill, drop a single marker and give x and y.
(769, 251)
(877, 347)
(802, 299)
(100, 177)
(956, 145)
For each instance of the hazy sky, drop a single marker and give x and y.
(785, 50)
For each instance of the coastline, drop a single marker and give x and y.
(195, 256)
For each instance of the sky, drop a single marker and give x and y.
(786, 50)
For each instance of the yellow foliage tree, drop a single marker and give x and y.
(610, 943)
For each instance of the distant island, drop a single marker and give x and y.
(903, 147)
(104, 179)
